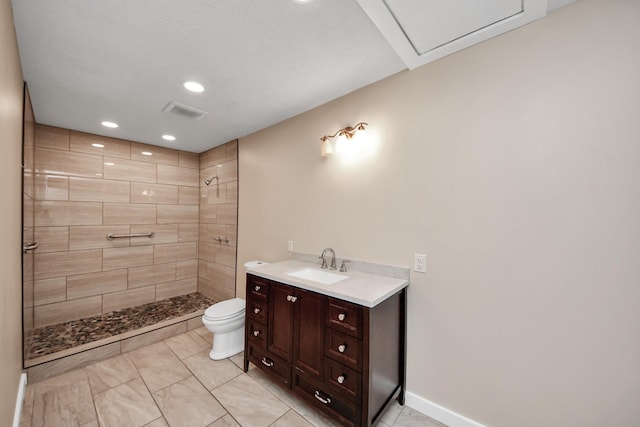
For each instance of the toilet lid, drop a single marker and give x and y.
(225, 309)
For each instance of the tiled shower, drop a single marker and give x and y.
(87, 187)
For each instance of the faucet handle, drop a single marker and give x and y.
(343, 266)
(324, 262)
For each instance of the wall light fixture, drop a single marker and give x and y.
(345, 135)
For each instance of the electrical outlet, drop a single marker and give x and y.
(420, 263)
(290, 245)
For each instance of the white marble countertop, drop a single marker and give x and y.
(360, 288)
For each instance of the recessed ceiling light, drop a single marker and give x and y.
(302, 1)
(109, 124)
(147, 153)
(168, 137)
(193, 87)
(97, 145)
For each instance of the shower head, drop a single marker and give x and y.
(210, 180)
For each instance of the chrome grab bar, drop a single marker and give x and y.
(112, 236)
(29, 246)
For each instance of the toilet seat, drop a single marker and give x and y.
(225, 309)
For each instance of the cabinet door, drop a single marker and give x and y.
(308, 333)
(280, 334)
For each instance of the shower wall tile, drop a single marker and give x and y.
(187, 232)
(129, 213)
(188, 195)
(232, 150)
(216, 194)
(98, 190)
(52, 239)
(52, 137)
(232, 192)
(227, 213)
(134, 256)
(177, 175)
(100, 145)
(206, 251)
(220, 275)
(153, 193)
(159, 155)
(128, 298)
(174, 214)
(151, 275)
(186, 269)
(59, 264)
(179, 287)
(47, 291)
(228, 171)
(94, 237)
(188, 160)
(51, 187)
(208, 214)
(69, 310)
(174, 252)
(86, 285)
(213, 157)
(226, 255)
(59, 213)
(129, 170)
(162, 233)
(211, 290)
(56, 162)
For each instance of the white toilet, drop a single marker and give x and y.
(225, 320)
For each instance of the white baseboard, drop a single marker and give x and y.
(20, 399)
(439, 413)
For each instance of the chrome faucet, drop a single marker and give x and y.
(333, 259)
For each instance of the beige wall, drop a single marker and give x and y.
(84, 192)
(514, 165)
(218, 220)
(10, 217)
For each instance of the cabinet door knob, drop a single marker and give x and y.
(325, 400)
(342, 316)
(267, 362)
(294, 299)
(341, 379)
(342, 348)
(256, 333)
(289, 298)
(257, 288)
(256, 310)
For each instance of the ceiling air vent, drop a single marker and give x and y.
(184, 110)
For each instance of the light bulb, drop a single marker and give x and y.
(342, 144)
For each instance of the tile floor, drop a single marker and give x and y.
(174, 383)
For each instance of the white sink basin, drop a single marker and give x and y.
(319, 276)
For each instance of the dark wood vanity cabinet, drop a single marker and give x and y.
(346, 359)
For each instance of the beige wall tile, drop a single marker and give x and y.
(226, 255)
(86, 285)
(84, 143)
(59, 213)
(187, 232)
(188, 160)
(56, 162)
(194, 323)
(178, 176)
(188, 195)
(207, 251)
(221, 275)
(216, 293)
(69, 310)
(177, 214)
(98, 190)
(186, 269)
(117, 258)
(173, 289)
(133, 343)
(228, 172)
(215, 156)
(129, 213)
(129, 170)
(216, 194)
(51, 187)
(227, 213)
(232, 192)
(128, 298)
(52, 137)
(174, 252)
(159, 155)
(202, 268)
(58, 264)
(52, 239)
(232, 150)
(208, 214)
(91, 237)
(47, 291)
(165, 233)
(154, 193)
(151, 275)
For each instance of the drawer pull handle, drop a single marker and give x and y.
(341, 379)
(342, 348)
(267, 362)
(257, 288)
(291, 298)
(256, 310)
(325, 400)
(256, 333)
(341, 317)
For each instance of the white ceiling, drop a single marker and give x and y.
(260, 61)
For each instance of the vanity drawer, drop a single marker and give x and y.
(269, 363)
(343, 348)
(257, 287)
(257, 333)
(343, 380)
(344, 317)
(258, 309)
(347, 412)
